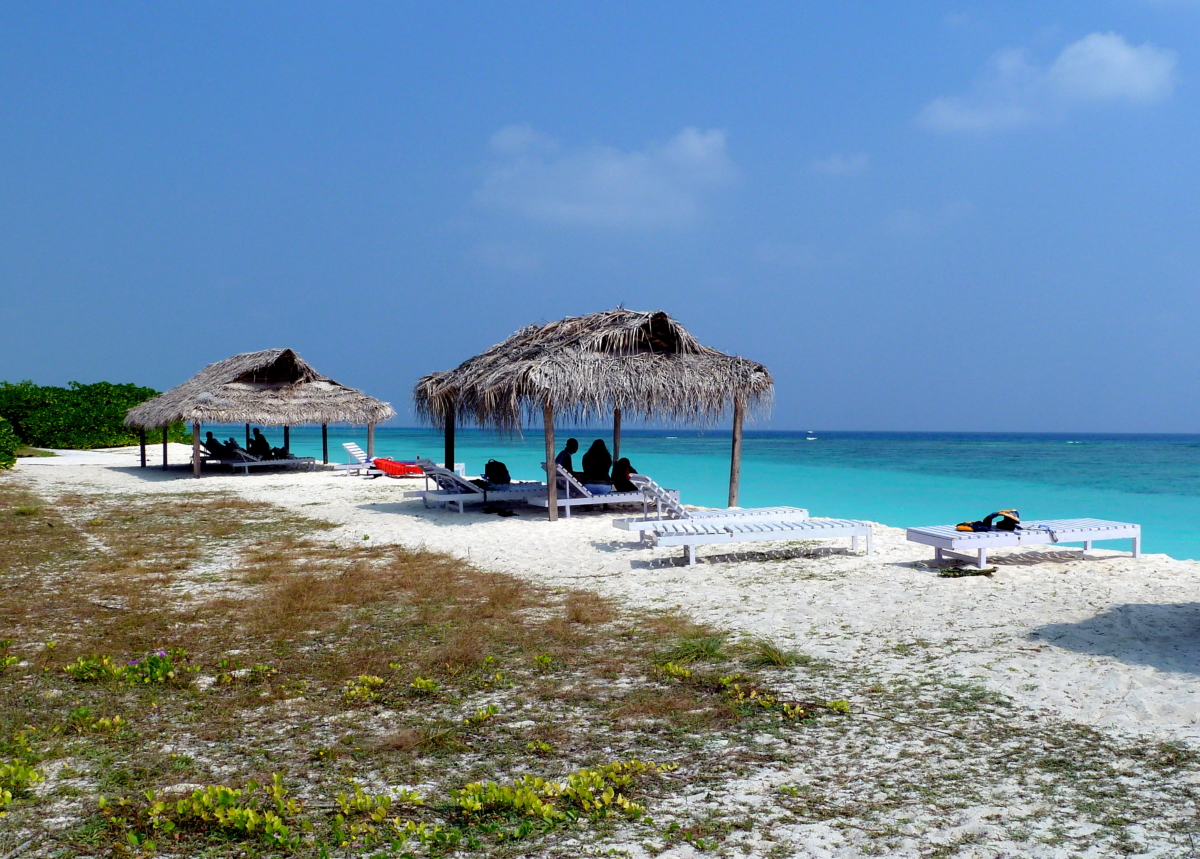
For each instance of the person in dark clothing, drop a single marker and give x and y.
(564, 456)
(259, 446)
(597, 463)
(620, 476)
(214, 447)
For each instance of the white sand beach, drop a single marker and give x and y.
(1107, 641)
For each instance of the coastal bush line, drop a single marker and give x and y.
(8, 445)
(77, 417)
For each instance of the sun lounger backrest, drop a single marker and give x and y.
(567, 482)
(447, 480)
(355, 451)
(662, 499)
(239, 455)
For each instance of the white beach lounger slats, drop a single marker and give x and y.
(690, 533)
(246, 461)
(949, 542)
(361, 464)
(667, 505)
(572, 493)
(453, 488)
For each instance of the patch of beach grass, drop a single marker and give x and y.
(326, 683)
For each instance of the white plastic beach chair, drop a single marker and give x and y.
(572, 493)
(949, 542)
(453, 488)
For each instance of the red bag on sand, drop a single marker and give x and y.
(392, 468)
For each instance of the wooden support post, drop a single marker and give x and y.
(371, 442)
(247, 436)
(616, 434)
(195, 448)
(142, 444)
(448, 451)
(325, 443)
(551, 471)
(735, 462)
(287, 440)
(165, 447)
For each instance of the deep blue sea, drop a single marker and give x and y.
(900, 479)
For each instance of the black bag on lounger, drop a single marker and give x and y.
(496, 473)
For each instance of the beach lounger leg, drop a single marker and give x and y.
(937, 554)
(870, 548)
(1087, 546)
(689, 554)
(982, 558)
(1137, 547)
(854, 543)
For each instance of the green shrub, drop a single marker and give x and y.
(77, 417)
(8, 445)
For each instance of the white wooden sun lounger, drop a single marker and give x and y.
(246, 461)
(686, 528)
(948, 542)
(667, 507)
(453, 488)
(360, 466)
(572, 493)
(690, 533)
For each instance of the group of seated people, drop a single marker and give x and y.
(600, 473)
(259, 447)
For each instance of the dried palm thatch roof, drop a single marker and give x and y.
(272, 387)
(645, 364)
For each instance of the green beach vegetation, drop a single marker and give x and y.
(9, 444)
(198, 674)
(77, 417)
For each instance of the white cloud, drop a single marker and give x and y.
(662, 186)
(1104, 66)
(838, 164)
(1101, 67)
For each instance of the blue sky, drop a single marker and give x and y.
(923, 216)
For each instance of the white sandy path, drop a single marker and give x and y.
(1110, 641)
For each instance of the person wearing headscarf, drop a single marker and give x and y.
(620, 476)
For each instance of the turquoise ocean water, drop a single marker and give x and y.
(900, 479)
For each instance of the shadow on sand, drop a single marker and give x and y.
(1163, 636)
(740, 557)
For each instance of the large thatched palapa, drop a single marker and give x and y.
(587, 367)
(274, 387)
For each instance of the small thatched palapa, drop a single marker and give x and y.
(643, 364)
(274, 387)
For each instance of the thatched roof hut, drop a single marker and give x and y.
(643, 364)
(274, 387)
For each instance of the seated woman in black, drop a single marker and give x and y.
(620, 476)
(597, 462)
